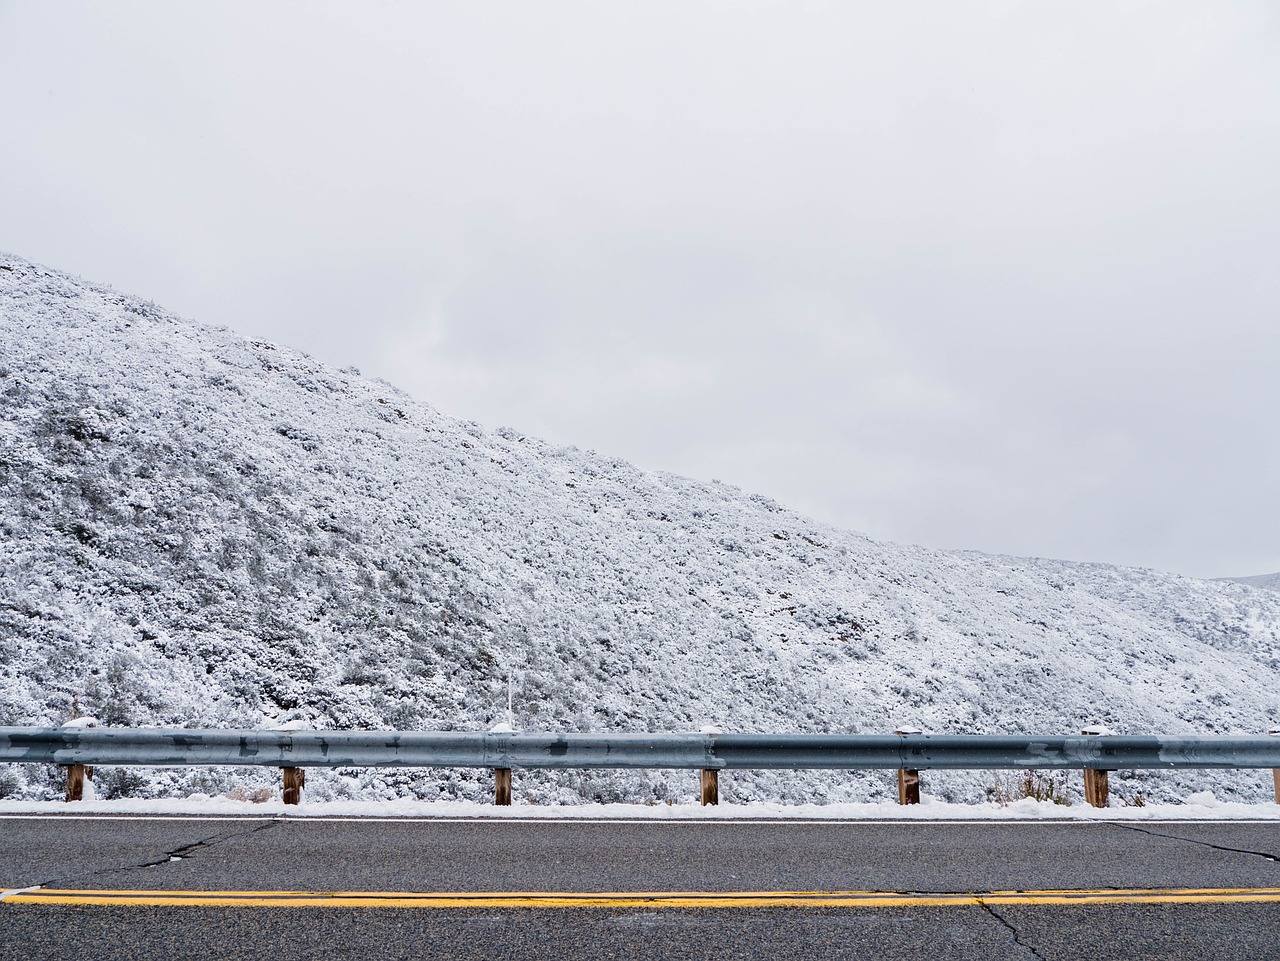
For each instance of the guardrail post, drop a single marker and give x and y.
(502, 786)
(502, 775)
(908, 780)
(1275, 771)
(77, 774)
(1096, 790)
(295, 778)
(908, 787)
(710, 786)
(709, 778)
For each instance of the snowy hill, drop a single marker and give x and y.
(199, 529)
(1270, 582)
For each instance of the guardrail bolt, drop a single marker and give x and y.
(295, 778)
(502, 786)
(1096, 790)
(710, 786)
(77, 774)
(1275, 771)
(908, 780)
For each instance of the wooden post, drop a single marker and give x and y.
(710, 786)
(502, 786)
(1096, 790)
(295, 778)
(908, 779)
(1275, 771)
(709, 778)
(908, 787)
(77, 774)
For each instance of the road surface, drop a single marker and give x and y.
(108, 887)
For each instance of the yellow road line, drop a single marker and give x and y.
(616, 900)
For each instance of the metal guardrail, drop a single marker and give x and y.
(708, 752)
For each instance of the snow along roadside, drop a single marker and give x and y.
(1202, 806)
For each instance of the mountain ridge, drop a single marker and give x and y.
(1270, 582)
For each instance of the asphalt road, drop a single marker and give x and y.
(248, 855)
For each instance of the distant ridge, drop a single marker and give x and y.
(197, 528)
(1270, 582)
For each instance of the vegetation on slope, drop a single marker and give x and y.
(198, 529)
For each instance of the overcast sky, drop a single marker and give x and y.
(996, 275)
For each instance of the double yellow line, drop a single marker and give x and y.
(630, 900)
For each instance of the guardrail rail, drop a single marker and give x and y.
(80, 748)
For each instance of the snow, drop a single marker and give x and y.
(1269, 582)
(1200, 806)
(77, 722)
(201, 530)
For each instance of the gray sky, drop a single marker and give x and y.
(992, 275)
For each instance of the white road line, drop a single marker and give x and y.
(12, 891)
(672, 822)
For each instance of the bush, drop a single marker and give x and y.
(10, 782)
(1030, 784)
(256, 795)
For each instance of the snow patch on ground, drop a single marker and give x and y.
(1196, 807)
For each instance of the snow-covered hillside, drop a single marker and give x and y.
(1270, 582)
(199, 529)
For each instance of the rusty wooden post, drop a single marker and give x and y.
(502, 786)
(502, 775)
(710, 786)
(1275, 771)
(1096, 790)
(908, 779)
(709, 778)
(908, 787)
(295, 778)
(77, 774)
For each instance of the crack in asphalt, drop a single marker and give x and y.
(1208, 844)
(186, 850)
(176, 854)
(1017, 939)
